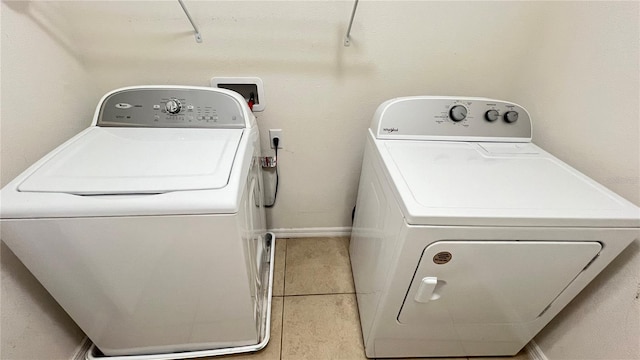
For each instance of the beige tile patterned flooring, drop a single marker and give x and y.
(316, 317)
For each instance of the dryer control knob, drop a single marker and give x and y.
(491, 115)
(511, 116)
(173, 106)
(458, 113)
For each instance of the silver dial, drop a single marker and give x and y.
(173, 106)
(511, 116)
(458, 113)
(491, 115)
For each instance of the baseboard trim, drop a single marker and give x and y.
(535, 352)
(83, 348)
(312, 232)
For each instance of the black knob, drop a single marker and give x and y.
(491, 115)
(458, 113)
(511, 116)
(173, 106)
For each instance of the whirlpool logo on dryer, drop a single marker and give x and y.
(390, 130)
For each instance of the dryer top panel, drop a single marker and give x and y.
(451, 118)
(450, 183)
(110, 161)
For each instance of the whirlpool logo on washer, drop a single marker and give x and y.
(390, 130)
(123, 106)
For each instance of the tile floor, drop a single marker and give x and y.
(316, 317)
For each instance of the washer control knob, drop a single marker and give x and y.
(458, 113)
(173, 106)
(491, 115)
(511, 116)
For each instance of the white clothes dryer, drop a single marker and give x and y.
(149, 228)
(468, 238)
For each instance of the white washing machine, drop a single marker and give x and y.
(468, 238)
(149, 227)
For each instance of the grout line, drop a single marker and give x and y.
(284, 286)
(357, 305)
(284, 270)
(321, 294)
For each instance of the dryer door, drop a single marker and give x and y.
(467, 282)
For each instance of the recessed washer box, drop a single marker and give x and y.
(244, 86)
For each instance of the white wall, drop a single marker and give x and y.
(45, 100)
(320, 93)
(323, 96)
(581, 85)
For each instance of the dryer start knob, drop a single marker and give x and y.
(511, 116)
(173, 106)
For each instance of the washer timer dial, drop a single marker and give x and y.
(173, 106)
(458, 113)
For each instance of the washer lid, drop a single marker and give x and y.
(110, 161)
(446, 183)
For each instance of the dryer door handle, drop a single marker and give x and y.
(426, 289)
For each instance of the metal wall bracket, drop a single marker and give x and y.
(347, 38)
(195, 27)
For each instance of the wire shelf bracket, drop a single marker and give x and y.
(195, 27)
(347, 37)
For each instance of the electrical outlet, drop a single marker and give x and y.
(275, 133)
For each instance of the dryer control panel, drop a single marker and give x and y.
(171, 107)
(451, 118)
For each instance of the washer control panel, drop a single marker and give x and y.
(171, 107)
(451, 118)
